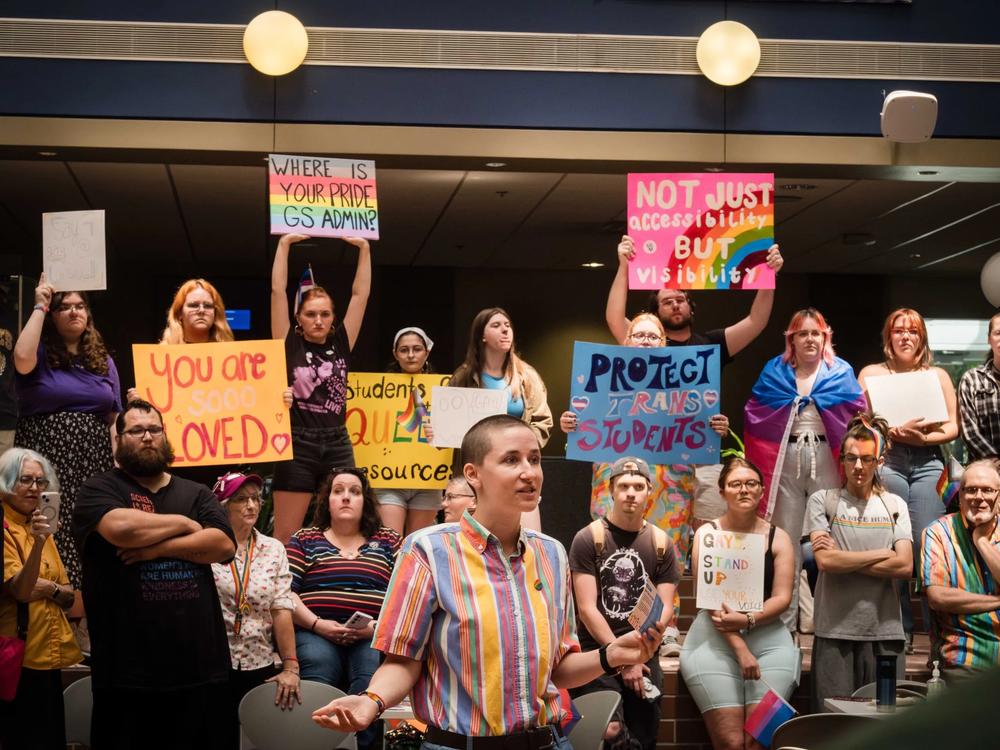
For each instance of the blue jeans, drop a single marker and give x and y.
(349, 668)
(912, 472)
(562, 743)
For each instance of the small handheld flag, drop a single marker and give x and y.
(306, 283)
(411, 417)
(771, 713)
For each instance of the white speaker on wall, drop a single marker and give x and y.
(909, 116)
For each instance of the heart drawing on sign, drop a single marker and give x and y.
(711, 398)
(179, 419)
(281, 442)
(277, 416)
(580, 379)
(685, 456)
(579, 403)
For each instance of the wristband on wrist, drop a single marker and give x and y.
(40, 306)
(751, 621)
(602, 654)
(289, 658)
(312, 628)
(379, 703)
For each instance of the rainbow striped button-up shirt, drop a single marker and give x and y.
(950, 559)
(489, 628)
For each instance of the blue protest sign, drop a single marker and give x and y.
(650, 403)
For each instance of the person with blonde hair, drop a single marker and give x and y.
(196, 316)
(914, 461)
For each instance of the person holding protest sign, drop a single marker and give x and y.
(318, 356)
(256, 598)
(862, 541)
(914, 461)
(196, 316)
(492, 362)
(68, 396)
(670, 503)
(340, 570)
(477, 679)
(410, 509)
(794, 421)
(730, 658)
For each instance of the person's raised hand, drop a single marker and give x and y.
(719, 424)
(292, 238)
(568, 421)
(352, 713)
(287, 397)
(359, 242)
(44, 291)
(774, 259)
(626, 249)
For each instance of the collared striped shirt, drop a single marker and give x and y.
(979, 411)
(489, 628)
(950, 559)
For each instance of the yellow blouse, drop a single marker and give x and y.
(51, 644)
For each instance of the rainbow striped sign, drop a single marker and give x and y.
(322, 197)
(701, 231)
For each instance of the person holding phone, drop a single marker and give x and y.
(34, 719)
(340, 569)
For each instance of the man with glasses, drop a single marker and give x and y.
(160, 657)
(960, 570)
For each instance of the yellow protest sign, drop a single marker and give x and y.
(384, 420)
(221, 403)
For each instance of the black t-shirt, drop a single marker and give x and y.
(318, 374)
(155, 624)
(715, 336)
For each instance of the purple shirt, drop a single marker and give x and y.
(48, 391)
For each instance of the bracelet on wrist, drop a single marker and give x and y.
(312, 628)
(602, 654)
(40, 306)
(289, 658)
(751, 621)
(379, 703)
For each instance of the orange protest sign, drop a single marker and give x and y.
(221, 403)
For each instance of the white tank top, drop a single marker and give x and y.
(808, 420)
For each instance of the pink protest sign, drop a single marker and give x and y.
(701, 231)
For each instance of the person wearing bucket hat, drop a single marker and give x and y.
(407, 510)
(256, 599)
(341, 568)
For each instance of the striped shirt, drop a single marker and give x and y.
(335, 587)
(489, 628)
(950, 559)
(979, 411)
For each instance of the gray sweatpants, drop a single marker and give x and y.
(839, 667)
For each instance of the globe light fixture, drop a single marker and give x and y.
(728, 53)
(275, 43)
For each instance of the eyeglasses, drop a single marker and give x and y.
(140, 432)
(988, 493)
(451, 496)
(28, 482)
(850, 459)
(199, 305)
(255, 498)
(673, 301)
(906, 331)
(645, 336)
(750, 484)
(77, 307)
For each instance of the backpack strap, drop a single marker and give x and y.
(597, 534)
(661, 542)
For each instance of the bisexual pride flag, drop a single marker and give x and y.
(771, 713)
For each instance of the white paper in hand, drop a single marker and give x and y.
(73, 250)
(907, 395)
(455, 410)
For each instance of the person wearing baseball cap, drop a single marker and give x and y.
(256, 598)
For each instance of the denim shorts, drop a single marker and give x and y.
(410, 499)
(316, 452)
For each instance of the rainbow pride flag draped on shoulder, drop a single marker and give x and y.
(774, 402)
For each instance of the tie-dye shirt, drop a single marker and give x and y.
(489, 628)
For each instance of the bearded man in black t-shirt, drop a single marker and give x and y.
(160, 658)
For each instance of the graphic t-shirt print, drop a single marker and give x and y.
(164, 579)
(623, 577)
(320, 382)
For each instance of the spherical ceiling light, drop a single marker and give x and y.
(989, 280)
(728, 53)
(275, 42)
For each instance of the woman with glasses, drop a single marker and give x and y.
(457, 498)
(36, 591)
(196, 316)
(68, 396)
(341, 568)
(730, 658)
(256, 598)
(914, 462)
(318, 357)
(673, 484)
(797, 413)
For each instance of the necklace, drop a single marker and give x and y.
(349, 552)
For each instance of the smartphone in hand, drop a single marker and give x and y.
(358, 621)
(48, 504)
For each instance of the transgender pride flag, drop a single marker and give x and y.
(771, 713)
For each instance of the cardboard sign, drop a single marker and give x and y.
(322, 197)
(73, 250)
(903, 396)
(457, 409)
(650, 403)
(221, 403)
(730, 570)
(701, 231)
(387, 431)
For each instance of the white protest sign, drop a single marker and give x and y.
(730, 570)
(455, 410)
(73, 250)
(907, 395)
